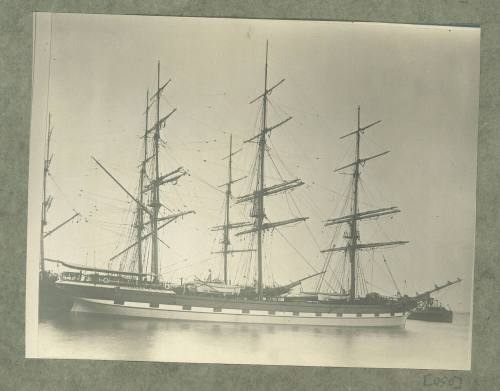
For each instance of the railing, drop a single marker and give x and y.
(111, 280)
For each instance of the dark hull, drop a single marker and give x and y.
(155, 298)
(443, 316)
(51, 300)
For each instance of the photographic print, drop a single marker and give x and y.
(243, 191)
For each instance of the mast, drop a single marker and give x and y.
(140, 212)
(353, 245)
(227, 226)
(45, 202)
(226, 241)
(153, 185)
(257, 197)
(353, 223)
(155, 189)
(259, 200)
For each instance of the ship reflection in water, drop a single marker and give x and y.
(419, 345)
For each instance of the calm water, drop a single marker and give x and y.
(419, 345)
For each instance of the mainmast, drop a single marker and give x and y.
(258, 196)
(259, 212)
(353, 244)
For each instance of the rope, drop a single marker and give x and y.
(48, 79)
(296, 250)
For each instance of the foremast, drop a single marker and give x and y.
(354, 245)
(261, 191)
(153, 185)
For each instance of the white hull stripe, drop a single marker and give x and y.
(233, 315)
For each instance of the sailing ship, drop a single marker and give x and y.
(142, 293)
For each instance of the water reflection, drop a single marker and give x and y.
(419, 345)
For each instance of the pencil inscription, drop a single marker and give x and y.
(454, 382)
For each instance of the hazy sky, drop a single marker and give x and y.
(421, 81)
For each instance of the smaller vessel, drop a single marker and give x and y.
(430, 309)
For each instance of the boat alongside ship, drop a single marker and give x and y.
(429, 309)
(141, 293)
(432, 311)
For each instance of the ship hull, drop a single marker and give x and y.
(444, 316)
(205, 314)
(51, 300)
(135, 302)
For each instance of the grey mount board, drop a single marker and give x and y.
(17, 373)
